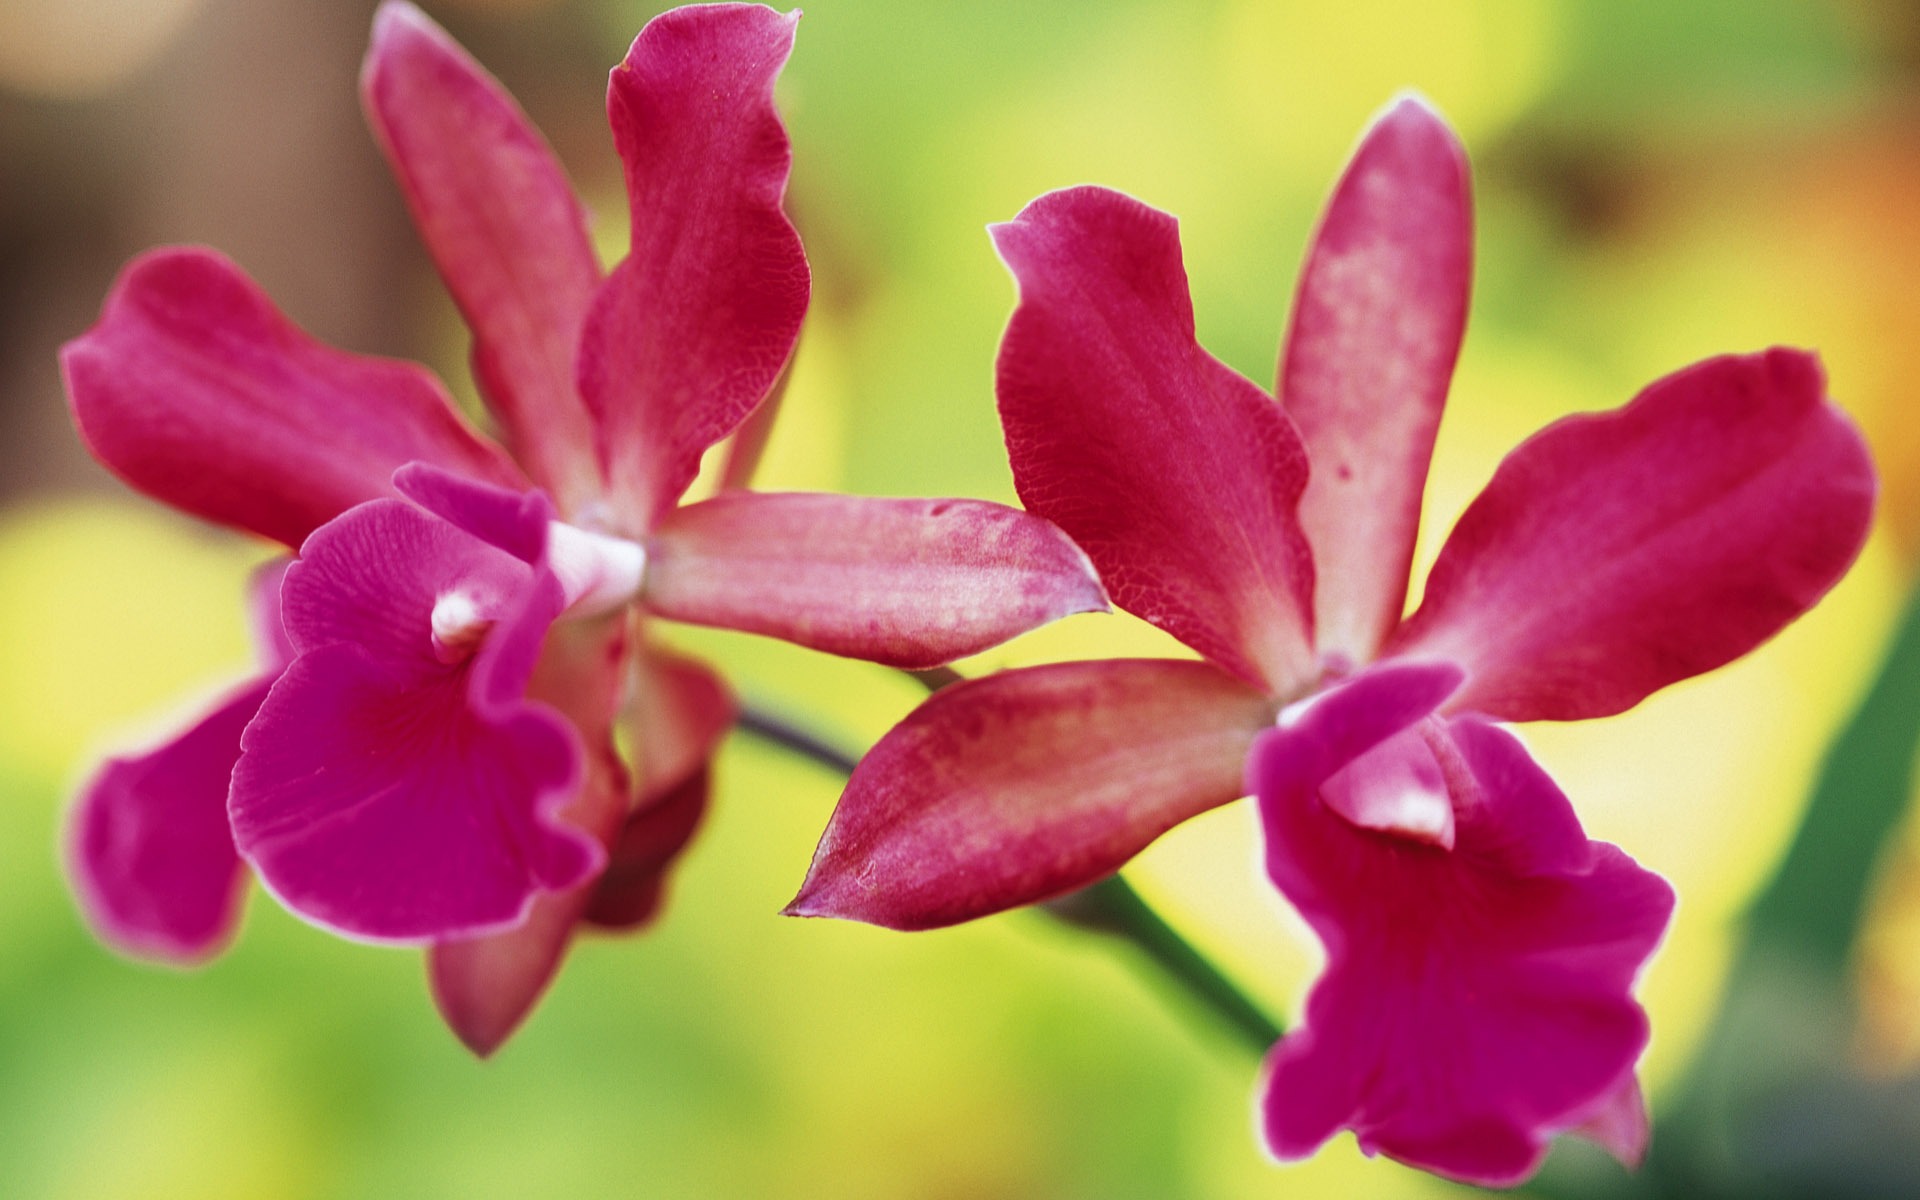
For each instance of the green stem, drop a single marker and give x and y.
(1816, 901)
(1787, 1003)
(1111, 907)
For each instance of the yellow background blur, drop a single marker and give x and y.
(1656, 182)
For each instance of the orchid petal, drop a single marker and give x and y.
(1364, 745)
(149, 849)
(272, 644)
(390, 795)
(1399, 786)
(691, 330)
(908, 583)
(678, 713)
(1178, 477)
(1021, 786)
(1376, 329)
(1317, 738)
(631, 891)
(748, 444)
(197, 391)
(1475, 1001)
(486, 986)
(1620, 1125)
(515, 522)
(505, 230)
(1616, 553)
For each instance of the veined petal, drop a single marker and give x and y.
(1475, 1001)
(1178, 477)
(486, 986)
(691, 330)
(383, 791)
(505, 230)
(149, 849)
(908, 583)
(1615, 553)
(1376, 329)
(197, 391)
(748, 444)
(516, 522)
(1021, 786)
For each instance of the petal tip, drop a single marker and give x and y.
(396, 17)
(1620, 1124)
(1407, 102)
(1099, 217)
(1410, 125)
(1412, 109)
(480, 1029)
(1797, 367)
(815, 899)
(399, 27)
(713, 16)
(828, 894)
(1095, 601)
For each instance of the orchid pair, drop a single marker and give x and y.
(428, 756)
(1480, 948)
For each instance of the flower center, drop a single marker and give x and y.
(1397, 787)
(458, 626)
(598, 572)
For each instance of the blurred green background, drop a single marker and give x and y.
(1657, 182)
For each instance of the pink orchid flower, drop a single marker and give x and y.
(1480, 949)
(428, 756)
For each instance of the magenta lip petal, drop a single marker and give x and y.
(501, 517)
(197, 391)
(1178, 477)
(690, 332)
(148, 846)
(1020, 786)
(1376, 327)
(1476, 1001)
(274, 647)
(1399, 786)
(1615, 553)
(1324, 734)
(908, 583)
(149, 850)
(505, 230)
(386, 794)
